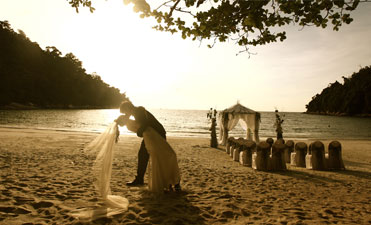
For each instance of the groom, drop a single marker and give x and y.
(145, 119)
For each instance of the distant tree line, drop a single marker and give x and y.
(351, 98)
(33, 77)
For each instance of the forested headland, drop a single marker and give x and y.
(352, 98)
(31, 77)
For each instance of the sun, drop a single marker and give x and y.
(124, 50)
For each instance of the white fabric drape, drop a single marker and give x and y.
(221, 129)
(163, 169)
(248, 122)
(102, 169)
(244, 126)
(227, 126)
(232, 121)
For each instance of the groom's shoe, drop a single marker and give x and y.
(136, 182)
(177, 187)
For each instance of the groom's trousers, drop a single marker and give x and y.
(143, 158)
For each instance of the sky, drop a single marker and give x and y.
(160, 70)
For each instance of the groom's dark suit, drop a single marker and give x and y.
(145, 119)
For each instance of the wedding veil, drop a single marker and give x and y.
(102, 169)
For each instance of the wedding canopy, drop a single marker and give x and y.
(249, 121)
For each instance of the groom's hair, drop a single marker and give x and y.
(126, 106)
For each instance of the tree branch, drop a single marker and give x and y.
(163, 4)
(172, 8)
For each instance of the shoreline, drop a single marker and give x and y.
(171, 136)
(46, 175)
(366, 115)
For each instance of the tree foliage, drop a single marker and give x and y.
(247, 22)
(351, 98)
(45, 78)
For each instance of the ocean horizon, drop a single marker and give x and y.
(190, 123)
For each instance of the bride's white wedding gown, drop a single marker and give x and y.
(163, 168)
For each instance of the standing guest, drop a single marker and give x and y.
(212, 116)
(210, 113)
(278, 126)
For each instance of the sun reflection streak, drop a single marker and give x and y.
(109, 115)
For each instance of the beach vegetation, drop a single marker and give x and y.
(352, 97)
(31, 77)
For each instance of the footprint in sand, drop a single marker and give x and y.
(245, 213)
(301, 215)
(206, 215)
(15, 210)
(228, 214)
(22, 184)
(21, 210)
(20, 200)
(144, 215)
(42, 204)
(7, 209)
(60, 197)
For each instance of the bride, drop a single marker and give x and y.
(163, 169)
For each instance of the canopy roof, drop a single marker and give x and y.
(239, 109)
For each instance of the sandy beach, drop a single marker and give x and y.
(45, 175)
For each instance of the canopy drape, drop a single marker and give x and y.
(230, 117)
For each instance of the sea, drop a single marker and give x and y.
(191, 123)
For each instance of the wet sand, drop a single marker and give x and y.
(46, 174)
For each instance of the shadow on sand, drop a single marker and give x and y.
(357, 164)
(307, 176)
(356, 173)
(171, 208)
(318, 178)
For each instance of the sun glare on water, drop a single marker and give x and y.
(109, 115)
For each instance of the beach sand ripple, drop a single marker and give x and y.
(46, 174)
